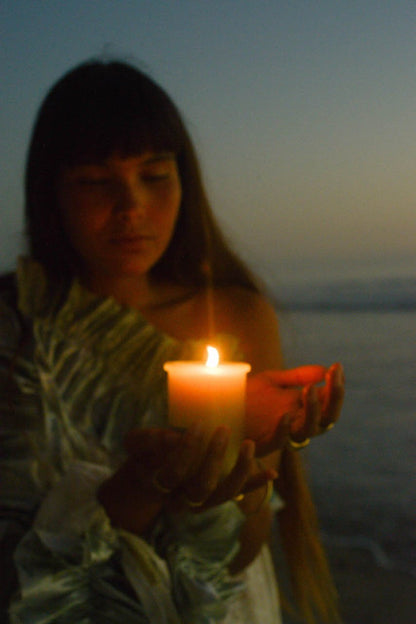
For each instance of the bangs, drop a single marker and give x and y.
(119, 111)
(94, 137)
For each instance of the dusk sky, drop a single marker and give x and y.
(303, 114)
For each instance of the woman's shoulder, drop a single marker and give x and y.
(241, 313)
(245, 306)
(251, 317)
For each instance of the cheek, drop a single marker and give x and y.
(167, 217)
(79, 211)
(80, 224)
(171, 218)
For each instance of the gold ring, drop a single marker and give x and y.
(193, 504)
(158, 486)
(299, 445)
(326, 428)
(238, 498)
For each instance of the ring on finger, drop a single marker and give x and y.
(239, 498)
(325, 428)
(193, 504)
(299, 445)
(162, 489)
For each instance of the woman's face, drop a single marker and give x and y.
(120, 215)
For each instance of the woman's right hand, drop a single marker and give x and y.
(276, 396)
(176, 470)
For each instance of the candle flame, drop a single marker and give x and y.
(212, 357)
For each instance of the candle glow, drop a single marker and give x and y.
(212, 357)
(211, 392)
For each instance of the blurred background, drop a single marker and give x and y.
(303, 117)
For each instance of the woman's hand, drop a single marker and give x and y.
(288, 405)
(191, 471)
(179, 471)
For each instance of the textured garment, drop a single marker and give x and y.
(76, 375)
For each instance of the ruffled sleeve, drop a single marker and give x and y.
(74, 564)
(69, 395)
(74, 567)
(198, 549)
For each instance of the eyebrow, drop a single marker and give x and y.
(159, 156)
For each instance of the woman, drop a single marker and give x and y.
(107, 513)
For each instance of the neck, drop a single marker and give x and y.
(135, 291)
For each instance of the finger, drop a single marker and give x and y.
(259, 480)
(244, 478)
(299, 376)
(205, 480)
(307, 423)
(278, 440)
(183, 459)
(258, 477)
(334, 392)
(148, 441)
(235, 481)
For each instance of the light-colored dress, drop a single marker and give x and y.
(89, 371)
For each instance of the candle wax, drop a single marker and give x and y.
(214, 395)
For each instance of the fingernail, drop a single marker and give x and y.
(273, 474)
(248, 449)
(221, 437)
(339, 375)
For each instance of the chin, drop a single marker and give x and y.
(133, 268)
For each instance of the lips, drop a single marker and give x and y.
(130, 239)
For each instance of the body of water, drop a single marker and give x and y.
(363, 472)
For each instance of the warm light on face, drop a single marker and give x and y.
(212, 357)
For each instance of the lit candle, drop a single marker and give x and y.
(213, 393)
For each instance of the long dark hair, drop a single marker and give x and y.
(98, 108)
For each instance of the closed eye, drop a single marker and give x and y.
(155, 177)
(93, 180)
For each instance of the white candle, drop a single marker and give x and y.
(211, 392)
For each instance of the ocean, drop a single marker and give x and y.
(363, 472)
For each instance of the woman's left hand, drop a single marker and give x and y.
(285, 405)
(185, 472)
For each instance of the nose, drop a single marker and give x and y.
(131, 199)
